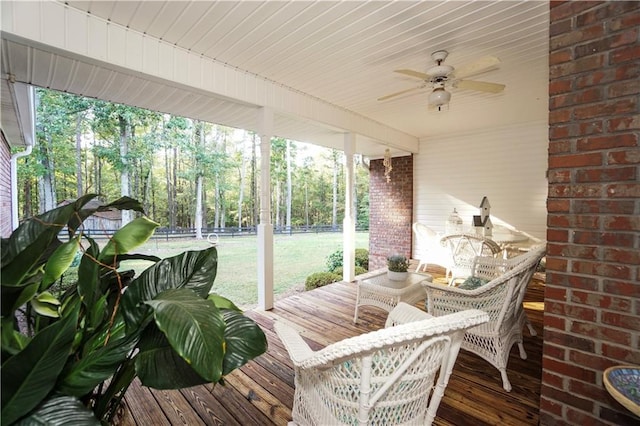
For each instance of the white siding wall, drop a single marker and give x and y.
(508, 165)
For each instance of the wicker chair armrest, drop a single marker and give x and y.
(404, 313)
(387, 337)
(296, 346)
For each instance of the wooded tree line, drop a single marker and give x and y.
(187, 173)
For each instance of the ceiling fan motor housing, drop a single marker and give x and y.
(440, 71)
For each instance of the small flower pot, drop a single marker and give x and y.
(397, 276)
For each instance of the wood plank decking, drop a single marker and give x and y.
(261, 393)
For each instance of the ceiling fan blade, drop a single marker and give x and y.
(416, 74)
(481, 86)
(402, 92)
(481, 65)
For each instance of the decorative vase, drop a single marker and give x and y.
(397, 276)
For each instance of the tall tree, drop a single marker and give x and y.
(335, 159)
(199, 142)
(241, 179)
(255, 207)
(289, 185)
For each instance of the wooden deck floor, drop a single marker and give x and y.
(261, 393)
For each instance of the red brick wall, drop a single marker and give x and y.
(5, 188)
(390, 210)
(592, 302)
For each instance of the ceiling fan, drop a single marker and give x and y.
(440, 76)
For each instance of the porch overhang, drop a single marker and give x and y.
(54, 46)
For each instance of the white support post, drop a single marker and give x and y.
(349, 223)
(265, 227)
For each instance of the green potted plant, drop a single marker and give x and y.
(397, 265)
(70, 358)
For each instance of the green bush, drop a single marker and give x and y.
(319, 279)
(362, 258)
(334, 260)
(359, 270)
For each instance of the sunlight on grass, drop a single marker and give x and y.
(295, 257)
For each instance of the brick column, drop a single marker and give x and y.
(592, 302)
(390, 210)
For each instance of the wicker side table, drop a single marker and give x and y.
(378, 290)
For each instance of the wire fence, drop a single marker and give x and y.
(213, 234)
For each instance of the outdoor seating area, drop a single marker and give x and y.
(262, 392)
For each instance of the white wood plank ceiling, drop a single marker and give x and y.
(342, 53)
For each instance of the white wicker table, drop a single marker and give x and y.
(378, 290)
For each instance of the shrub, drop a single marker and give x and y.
(334, 260)
(358, 271)
(319, 279)
(362, 258)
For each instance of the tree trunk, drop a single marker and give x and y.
(254, 183)
(27, 210)
(46, 184)
(125, 133)
(306, 204)
(79, 185)
(216, 203)
(334, 212)
(288, 218)
(148, 188)
(198, 219)
(198, 215)
(242, 173)
(277, 204)
(174, 189)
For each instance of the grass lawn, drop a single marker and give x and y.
(295, 257)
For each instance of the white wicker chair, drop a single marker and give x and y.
(501, 298)
(385, 377)
(463, 249)
(428, 247)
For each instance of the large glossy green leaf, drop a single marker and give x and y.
(14, 297)
(195, 270)
(159, 366)
(59, 262)
(41, 229)
(244, 340)
(29, 376)
(130, 236)
(46, 304)
(89, 275)
(194, 327)
(97, 364)
(60, 410)
(222, 302)
(12, 340)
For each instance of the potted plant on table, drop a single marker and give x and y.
(69, 358)
(397, 265)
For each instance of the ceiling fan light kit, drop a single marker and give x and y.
(438, 76)
(439, 98)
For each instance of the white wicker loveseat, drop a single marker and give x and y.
(501, 298)
(385, 377)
